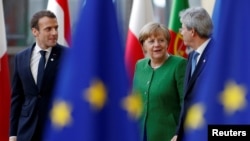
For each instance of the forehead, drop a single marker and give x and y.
(47, 22)
(157, 34)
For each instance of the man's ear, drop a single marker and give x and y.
(193, 32)
(35, 32)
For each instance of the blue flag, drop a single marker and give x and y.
(224, 96)
(92, 101)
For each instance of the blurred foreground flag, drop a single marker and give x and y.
(61, 9)
(4, 81)
(141, 14)
(176, 45)
(224, 95)
(91, 99)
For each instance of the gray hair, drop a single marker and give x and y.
(198, 19)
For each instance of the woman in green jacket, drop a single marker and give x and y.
(159, 80)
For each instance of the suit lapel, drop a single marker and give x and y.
(52, 60)
(188, 70)
(52, 63)
(201, 64)
(27, 64)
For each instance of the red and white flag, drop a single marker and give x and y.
(4, 81)
(61, 10)
(141, 14)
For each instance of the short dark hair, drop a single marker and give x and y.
(40, 14)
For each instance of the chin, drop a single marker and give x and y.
(52, 44)
(159, 57)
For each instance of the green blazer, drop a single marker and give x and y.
(162, 94)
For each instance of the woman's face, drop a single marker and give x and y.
(156, 46)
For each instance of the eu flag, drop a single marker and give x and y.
(92, 101)
(224, 96)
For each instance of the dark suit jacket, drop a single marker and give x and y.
(191, 83)
(29, 107)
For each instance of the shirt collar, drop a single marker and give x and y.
(202, 47)
(37, 49)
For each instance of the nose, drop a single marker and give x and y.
(180, 31)
(156, 43)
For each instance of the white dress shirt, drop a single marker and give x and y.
(201, 49)
(34, 60)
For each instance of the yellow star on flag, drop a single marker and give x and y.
(195, 118)
(96, 95)
(60, 114)
(133, 105)
(233, 97)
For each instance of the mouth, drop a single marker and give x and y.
(53, 40)
(157, 50)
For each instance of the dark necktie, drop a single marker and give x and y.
(40, 71)
(194, 60)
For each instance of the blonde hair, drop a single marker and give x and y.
(154, 29)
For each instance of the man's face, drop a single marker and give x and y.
(47, 33)
(186, 35)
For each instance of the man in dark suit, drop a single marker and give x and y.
(196, 30)
(32, 88)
